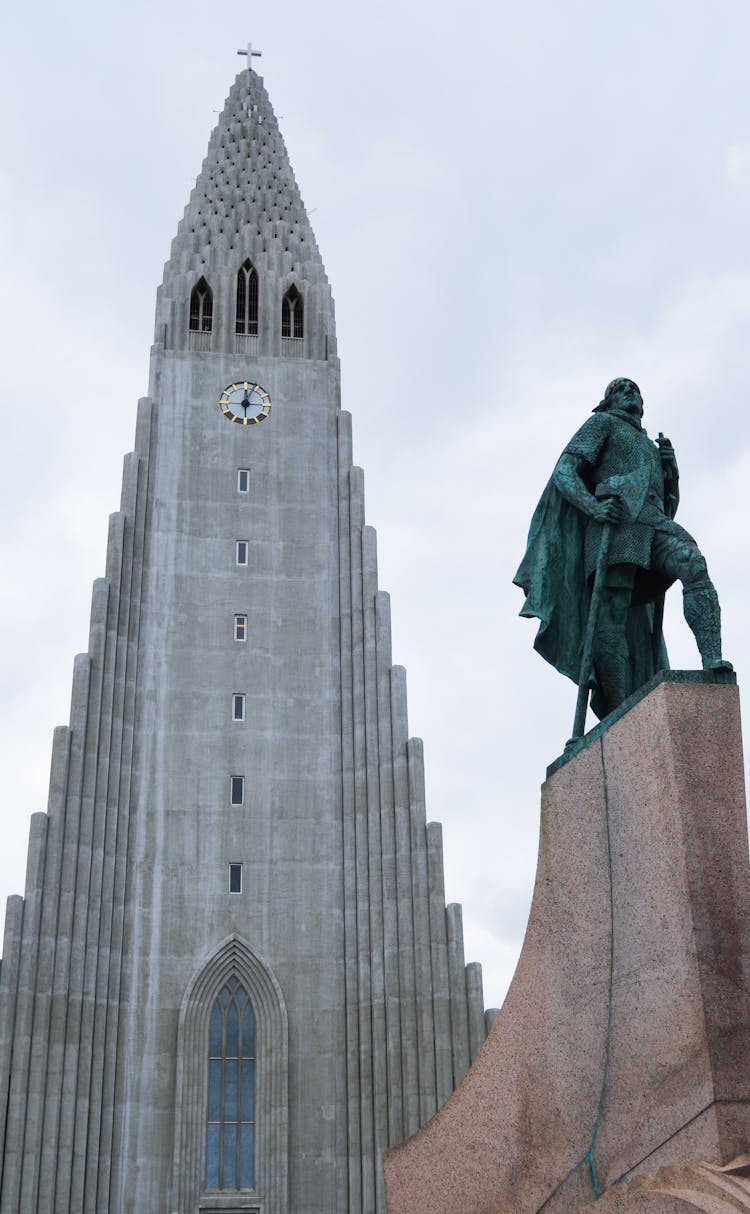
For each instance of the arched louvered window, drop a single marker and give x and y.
(292, 322)
(246, 321)
(230, 1126)
(201, 308)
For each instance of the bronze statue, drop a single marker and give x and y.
(603, 548)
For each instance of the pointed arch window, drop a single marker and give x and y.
(246, 320)
(246, 314)
(230, 1127)
(213, 1118)
(292, 323)
(201, 316)
(201, 307)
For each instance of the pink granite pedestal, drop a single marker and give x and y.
(623, 1047)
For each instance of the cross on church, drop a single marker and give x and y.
(248, 50)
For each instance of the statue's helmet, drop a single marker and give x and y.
(612, 391)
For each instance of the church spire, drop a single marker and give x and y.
(246, 206)
(233, 981)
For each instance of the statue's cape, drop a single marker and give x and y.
(558, 594)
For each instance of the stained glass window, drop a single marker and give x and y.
(230, 1128)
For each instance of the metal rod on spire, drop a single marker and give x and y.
(248, 50)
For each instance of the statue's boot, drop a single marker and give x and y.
(612, 663)
(703, 615)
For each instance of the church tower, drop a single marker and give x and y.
(232, 981)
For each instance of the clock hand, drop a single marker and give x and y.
(245, 402)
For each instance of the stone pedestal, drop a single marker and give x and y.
(623, 1046)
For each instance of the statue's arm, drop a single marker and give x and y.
(568, 480)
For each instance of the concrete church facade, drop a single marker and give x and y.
(232, 981)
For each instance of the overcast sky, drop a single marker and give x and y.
(515, 202)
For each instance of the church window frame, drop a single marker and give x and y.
(236, 790)
(243, 480)
(292, 314)
(247, 301)
(292, 323)
(235, 877)
(233, 956)
(241, 552)
(240, 628)
(201, 308)
(238, 706)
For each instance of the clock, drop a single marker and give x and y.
(245, 403)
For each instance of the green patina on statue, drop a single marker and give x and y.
(603, 548)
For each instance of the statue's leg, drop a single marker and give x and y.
(611, 653)
(679, 557)
(703, 614)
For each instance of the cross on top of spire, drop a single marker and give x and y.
(249, 51)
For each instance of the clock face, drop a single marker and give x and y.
(245, 403)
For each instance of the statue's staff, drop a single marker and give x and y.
(671, 498)
(586, 673)
(656, 631)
